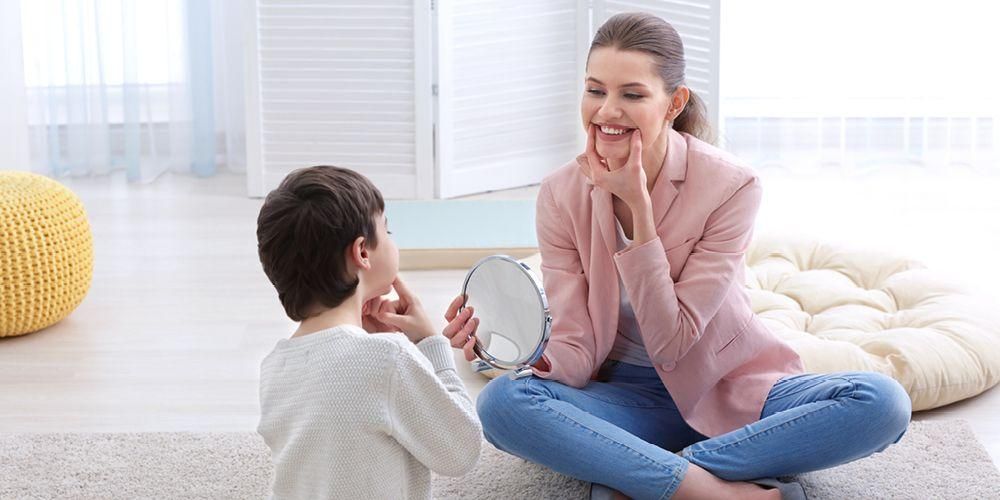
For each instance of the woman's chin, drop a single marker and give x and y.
(613, 152)
(615, 157)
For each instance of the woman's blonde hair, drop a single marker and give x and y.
(651, 35)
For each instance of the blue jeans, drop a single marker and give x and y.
(623, 429)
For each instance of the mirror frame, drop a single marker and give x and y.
(524, 368)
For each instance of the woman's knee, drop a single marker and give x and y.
(499, 403)
(890, 406)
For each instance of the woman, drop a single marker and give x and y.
(655, 348)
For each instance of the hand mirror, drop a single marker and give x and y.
(513, 314)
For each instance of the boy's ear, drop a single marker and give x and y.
(359, 253)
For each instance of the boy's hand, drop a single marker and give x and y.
(406, 314)
(461, 328)
(369, 315)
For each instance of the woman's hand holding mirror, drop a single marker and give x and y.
(461, 328)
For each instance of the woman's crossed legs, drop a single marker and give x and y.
(623, 429)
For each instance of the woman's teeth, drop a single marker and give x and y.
(613, 131)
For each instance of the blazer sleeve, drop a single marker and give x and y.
(569, 355)
(673, 316)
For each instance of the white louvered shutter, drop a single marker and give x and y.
(697, 21)
(341, 83)
(509, 79)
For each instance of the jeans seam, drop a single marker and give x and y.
(536, 400)
(685, 453)
(675, 482)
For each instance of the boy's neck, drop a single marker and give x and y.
(347, 313)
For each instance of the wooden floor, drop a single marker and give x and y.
(179, 315)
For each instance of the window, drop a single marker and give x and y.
(858, 85)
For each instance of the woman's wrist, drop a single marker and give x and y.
(643, 229)
(640, 203)
(542, 364)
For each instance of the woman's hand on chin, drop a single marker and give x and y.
(626, 181)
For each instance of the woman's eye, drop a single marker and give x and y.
(634, 97)
(595, 92)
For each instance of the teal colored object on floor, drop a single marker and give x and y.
(462, 223)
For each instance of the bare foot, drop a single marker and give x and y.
(701, 484)
(767, 493)
(739, 490)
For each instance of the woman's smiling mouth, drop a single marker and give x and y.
(613, 133)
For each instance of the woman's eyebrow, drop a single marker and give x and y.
(633, 84)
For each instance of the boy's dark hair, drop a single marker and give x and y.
(304, 228)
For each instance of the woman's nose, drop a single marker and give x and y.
(609, 110)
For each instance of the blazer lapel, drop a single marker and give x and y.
(674, 169)
(664, 192)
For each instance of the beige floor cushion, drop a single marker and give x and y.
(843, 309)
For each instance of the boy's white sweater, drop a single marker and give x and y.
(348, 414)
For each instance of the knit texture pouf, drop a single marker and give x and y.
(46, 252)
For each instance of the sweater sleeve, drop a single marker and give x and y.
(430, 412)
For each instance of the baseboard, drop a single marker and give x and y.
(453, 258)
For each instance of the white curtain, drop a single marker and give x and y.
(140, 86)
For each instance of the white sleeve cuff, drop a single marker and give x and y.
(437, 349)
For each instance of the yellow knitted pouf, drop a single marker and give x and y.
(46, 253)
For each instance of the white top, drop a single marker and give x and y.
(628, 346)
(348, 414)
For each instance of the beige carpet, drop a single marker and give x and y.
(934, 460)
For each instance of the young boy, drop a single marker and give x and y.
(363, 400)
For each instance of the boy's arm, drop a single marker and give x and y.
(430, 413)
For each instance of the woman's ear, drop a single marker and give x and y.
(678, 100)
(359, 253)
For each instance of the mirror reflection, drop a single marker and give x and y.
(511, 308)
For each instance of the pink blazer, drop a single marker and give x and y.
(717, 360)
